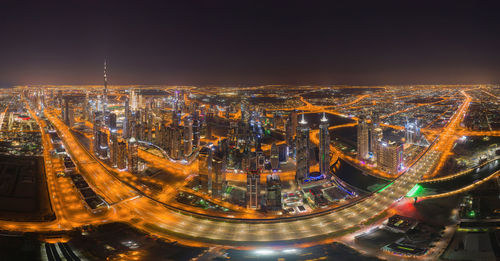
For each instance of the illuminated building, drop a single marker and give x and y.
(121, 155)
(209, 125)
(112, 122)
(302, 154)
(275, 161)
(188, 136)
(412, 131)
(324, 146)
(103, 145)
(196, 129)
(363, 139)
(217, 177)
(205, 169)
(390, 156)
(273, 192)
(133, 158)
(253, 189)
(105, 92)
(113, 140)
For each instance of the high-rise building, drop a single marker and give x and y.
(273, 192)
(274, 158)
(209, 125)
(205, 169)
(188, 136)
(113, 140)
(324, 146)
(253, 190)
(218, 176)
(121, 155)
(363, 139)
(302, 147)
(412, 131)
(390, 156)
(133, 158)
(103, 145)
(294, 120)
(112, 122)
(196, 129)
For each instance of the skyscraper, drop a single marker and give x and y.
(188, 136)
(133, 158)
(121, 155)
(205, 169)
(112, 122)
(196, 129)
(113, 140)
(363, 139)
(275, 161)
(324, 146)
(302, 146)
(390, 156)
(253, 190)
(273, 192)
(218, 176)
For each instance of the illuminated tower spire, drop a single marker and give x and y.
(105, 94)
(324, 146)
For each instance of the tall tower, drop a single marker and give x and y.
(302, 145)
(188, 136)
(363, 134)
(324, 146)
(105, 93)
(133, 159)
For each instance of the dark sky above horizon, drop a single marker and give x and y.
(249, 42)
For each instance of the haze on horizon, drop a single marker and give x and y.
(233, 43)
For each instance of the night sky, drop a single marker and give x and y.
(243, 43)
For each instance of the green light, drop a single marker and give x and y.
(472, 213)
(388, 185)
(414, 191)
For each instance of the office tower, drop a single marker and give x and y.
(133, 100)
(376, 135)
(176, 142)
(71, 117)
(283, 153)
(121, 155)
(302, 147)
(218, 176)
(205, 169)
(103, 145)
(390, 156)
(324, 146)
(412, 131)
(95, 137)
(253, 189)
(112, 122)
(363, 139)
(273, 192)
(244, 107)
(188, 136)
(293, 119)
(133, 158)
(65, 111)
(126, 120)
(275, 161)
(113, 142)
(209, 125)
(149, 126)
(159, 135)
(196, 130)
